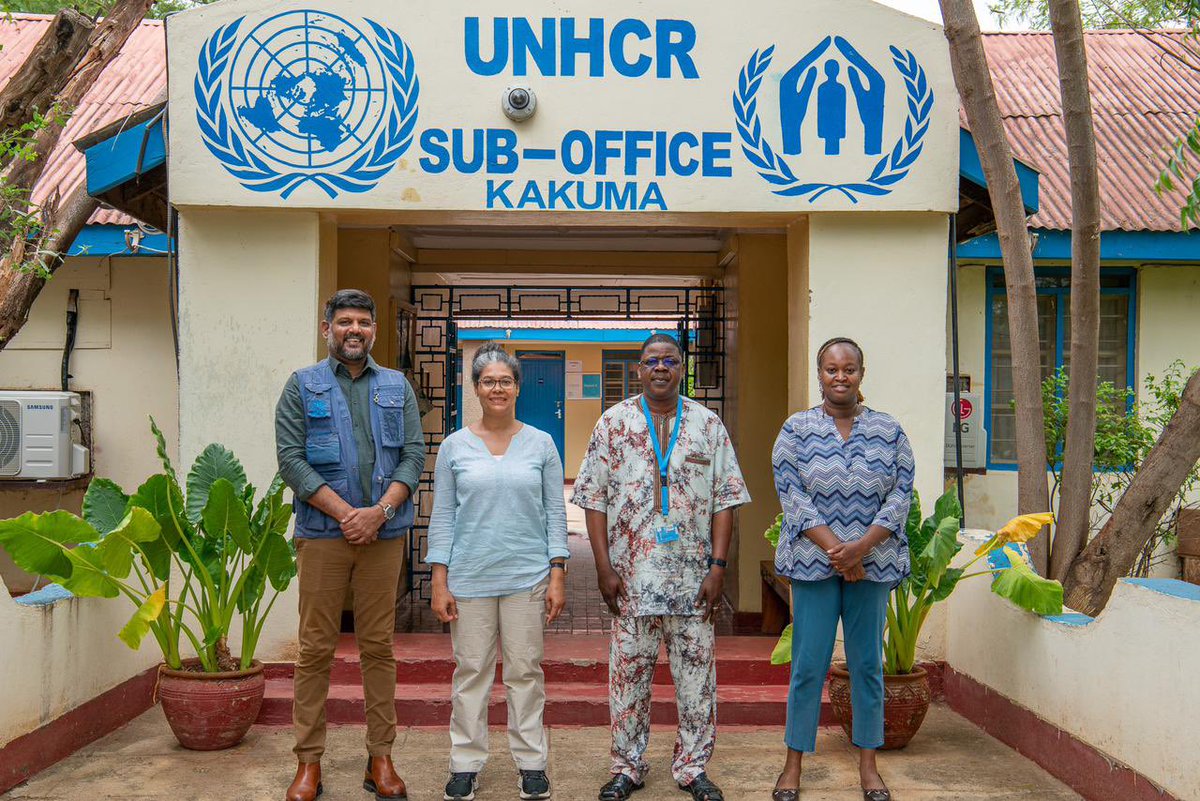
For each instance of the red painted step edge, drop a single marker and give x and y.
(566, 705)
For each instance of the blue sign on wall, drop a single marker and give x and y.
(591, 386)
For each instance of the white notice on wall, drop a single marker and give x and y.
(574, 386)
(574, 365)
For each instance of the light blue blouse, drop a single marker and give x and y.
(497, 523)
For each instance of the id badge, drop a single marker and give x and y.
(665, 534)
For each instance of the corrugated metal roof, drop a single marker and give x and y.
(135, 79)
(1142, 100)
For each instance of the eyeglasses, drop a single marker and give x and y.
(669, 362)
(492, 383)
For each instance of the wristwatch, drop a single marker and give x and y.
(388, 511)
(560, 566)
(717, 562)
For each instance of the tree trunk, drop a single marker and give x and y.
(20, 288)
(1074, 508)
(1109, 556)
(23, 271)
(46, 69)
(103, 45)
(978, 96)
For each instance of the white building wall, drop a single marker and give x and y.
(1124, 683)
(880, 279)
(252, 286)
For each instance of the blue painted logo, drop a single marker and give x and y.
(813, 81)
(306, 96)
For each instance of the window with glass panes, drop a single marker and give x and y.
(620, 376)
(1117, 311)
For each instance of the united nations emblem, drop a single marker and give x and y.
(306, 96)
(815, 86)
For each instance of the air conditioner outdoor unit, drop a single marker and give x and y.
(37, 438)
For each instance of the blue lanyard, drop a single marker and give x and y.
(664, 460)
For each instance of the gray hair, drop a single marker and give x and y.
(493, 353)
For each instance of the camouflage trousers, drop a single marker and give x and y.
(634, 652)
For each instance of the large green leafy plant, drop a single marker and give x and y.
(192, 564)
(932, 545)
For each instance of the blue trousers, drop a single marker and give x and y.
(816, 607)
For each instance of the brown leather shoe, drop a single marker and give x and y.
(307, 784)
(382, 780)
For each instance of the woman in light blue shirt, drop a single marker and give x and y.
(498, 547)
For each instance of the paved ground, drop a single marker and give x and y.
(950, 760)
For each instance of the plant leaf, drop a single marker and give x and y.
(139, 625)
(40, 543)
(214, 462)
(772, 533)
(948, 506)
(946, 585)
(104, 505)
(161, 450)
(1024, 528)
(782, 653)
(224, 513)
(279, 557)
(1019, 584)
(942, 547)
(162, 498)
(115, 551)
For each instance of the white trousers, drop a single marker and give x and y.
(516, 620)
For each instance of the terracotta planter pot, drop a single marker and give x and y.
(210, 711)
(905, 701)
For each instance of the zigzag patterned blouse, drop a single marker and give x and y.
(848, 485)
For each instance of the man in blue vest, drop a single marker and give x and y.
(349, 440)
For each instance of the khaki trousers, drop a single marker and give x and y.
(327, 568)
(517, 620)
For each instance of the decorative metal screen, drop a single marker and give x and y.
(697, 313)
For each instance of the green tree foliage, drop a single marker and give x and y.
(93, 8)
(1102, 13)
(1126, 430)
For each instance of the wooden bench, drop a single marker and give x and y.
(776, 599)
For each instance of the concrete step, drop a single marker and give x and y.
(569, 659)
(567, 704)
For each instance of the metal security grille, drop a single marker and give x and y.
(698, 314)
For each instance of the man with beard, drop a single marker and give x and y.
(659, 485)
(349, 440)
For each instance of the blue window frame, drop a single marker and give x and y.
(1118, 324)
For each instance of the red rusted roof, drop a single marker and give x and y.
(135, 80)
(1142, 100)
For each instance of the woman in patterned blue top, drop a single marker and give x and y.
(844, 474)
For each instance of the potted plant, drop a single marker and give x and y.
(933, 543)
(194, 564)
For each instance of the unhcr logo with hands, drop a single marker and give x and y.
(306, 97)
(815, 86)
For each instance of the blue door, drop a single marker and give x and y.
(543, 388)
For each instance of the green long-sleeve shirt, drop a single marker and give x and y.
(298, 474)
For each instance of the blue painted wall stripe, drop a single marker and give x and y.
(579, 335)
(1115, 246)
(109, 240)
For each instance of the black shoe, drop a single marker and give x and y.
(702, 789)
(461, 787)
(534, 784)
(619, 788)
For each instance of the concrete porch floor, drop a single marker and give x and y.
(950, 760)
